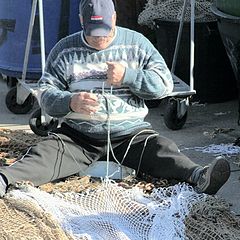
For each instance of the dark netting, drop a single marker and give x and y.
(171, 10)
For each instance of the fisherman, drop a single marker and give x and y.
(96, 81)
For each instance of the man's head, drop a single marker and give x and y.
(96, 17)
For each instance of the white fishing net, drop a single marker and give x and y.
(112, 212)
(115, 213)
(171, 10)
(218, 149)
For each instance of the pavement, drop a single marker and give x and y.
(210, 130)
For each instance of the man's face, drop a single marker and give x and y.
(101, 43)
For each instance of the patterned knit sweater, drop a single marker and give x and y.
(74, 66)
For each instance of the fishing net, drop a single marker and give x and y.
(171, 10)
(218, 149)
(14, 143)
(20, 219)
(87, 208)
(113, 212)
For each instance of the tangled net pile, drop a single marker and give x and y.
(113, 212)
(81, 209)
(171, 10)
(20, 219)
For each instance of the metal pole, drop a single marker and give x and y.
(192, 45)
(29, 38)
(42, 38)
(179, 37)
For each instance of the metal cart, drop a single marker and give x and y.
(175, 114)
(20, 99)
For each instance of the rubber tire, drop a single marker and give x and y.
(171, 120)
(14, 107)
(37, 127)
(11, 81)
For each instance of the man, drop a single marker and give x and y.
(96, 81)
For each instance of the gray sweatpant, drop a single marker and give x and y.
(67, 152)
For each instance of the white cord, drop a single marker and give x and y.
(144, 147)
(108, 127)
(109, 144)
(65, 146)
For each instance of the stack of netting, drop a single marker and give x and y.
(171, 10)
(113, 212)
(109, 210)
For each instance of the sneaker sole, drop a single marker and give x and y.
(218, 174)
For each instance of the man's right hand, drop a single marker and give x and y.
(84, 102)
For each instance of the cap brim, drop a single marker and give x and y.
(97, 30)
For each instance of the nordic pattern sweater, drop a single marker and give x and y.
(74, 66)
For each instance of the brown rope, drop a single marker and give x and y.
(21, 219)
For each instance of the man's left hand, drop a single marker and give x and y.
(115, 73)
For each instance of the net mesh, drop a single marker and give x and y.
(86, 208)
(21, 219)
(113, 212)
(13, 144)
(171, 10)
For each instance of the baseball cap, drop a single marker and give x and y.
(96, 16)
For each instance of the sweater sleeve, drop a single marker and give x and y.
(152, 80)
(54, 97)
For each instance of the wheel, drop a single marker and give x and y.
(13, 106)
(41, 129)
(11, 82)
(171, 115)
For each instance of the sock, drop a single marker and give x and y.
(195, 175)
(3, 186)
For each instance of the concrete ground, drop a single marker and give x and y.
(206, 125)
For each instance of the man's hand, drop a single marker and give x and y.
(115, 73)
(84, 102)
